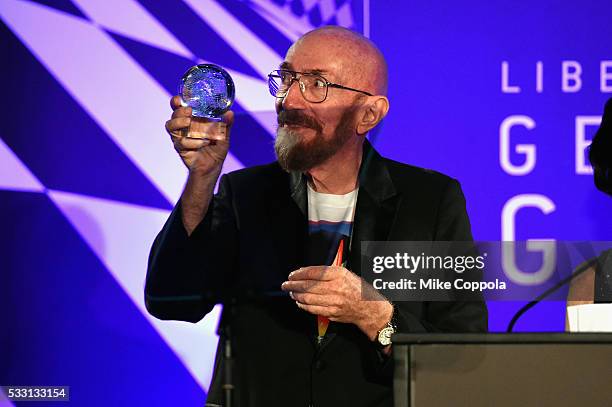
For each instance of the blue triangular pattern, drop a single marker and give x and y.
(332, 21)
(63, 5)
(297, 7)
(163, 66)
(339, 3)
(71, 324)
(58, 141)
(314, 16)
(258, 25)
(196, 35)
(253, 143)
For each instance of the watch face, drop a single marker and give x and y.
(384, 337)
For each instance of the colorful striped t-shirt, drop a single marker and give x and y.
(330, 219)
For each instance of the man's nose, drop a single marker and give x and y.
(294, 98)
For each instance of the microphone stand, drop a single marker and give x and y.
(225, 336)
(548, 292)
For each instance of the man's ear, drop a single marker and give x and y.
(374, 111)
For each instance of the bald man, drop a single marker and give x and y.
(282, 241)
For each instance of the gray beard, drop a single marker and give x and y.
(295, 155)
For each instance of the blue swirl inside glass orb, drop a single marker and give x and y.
(208, 89)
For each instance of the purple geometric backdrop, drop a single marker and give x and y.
(88, 174)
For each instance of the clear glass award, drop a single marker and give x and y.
(209, 90)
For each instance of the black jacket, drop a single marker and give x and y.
(254, 235)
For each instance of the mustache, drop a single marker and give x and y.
(297, 118)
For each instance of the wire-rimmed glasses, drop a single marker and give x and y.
(314, 87)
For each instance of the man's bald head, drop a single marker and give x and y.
(363, 65)
(312, 133)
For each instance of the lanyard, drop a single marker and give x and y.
(323, 322)
(340, 260)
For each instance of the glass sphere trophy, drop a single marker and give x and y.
(209, 90)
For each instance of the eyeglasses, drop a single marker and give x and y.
(313, 87)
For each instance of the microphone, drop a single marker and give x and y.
(600, 154)
(550, 291)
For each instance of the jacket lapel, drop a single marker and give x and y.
(377, 203)
(288, 224)
(297, 184)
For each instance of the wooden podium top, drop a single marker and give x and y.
(502, 338)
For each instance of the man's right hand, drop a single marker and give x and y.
(201, 156)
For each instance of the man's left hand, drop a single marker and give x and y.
(340, 295)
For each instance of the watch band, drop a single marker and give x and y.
(383, 336)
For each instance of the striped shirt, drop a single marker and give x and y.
(330, 219)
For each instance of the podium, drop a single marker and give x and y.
(531, 369)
